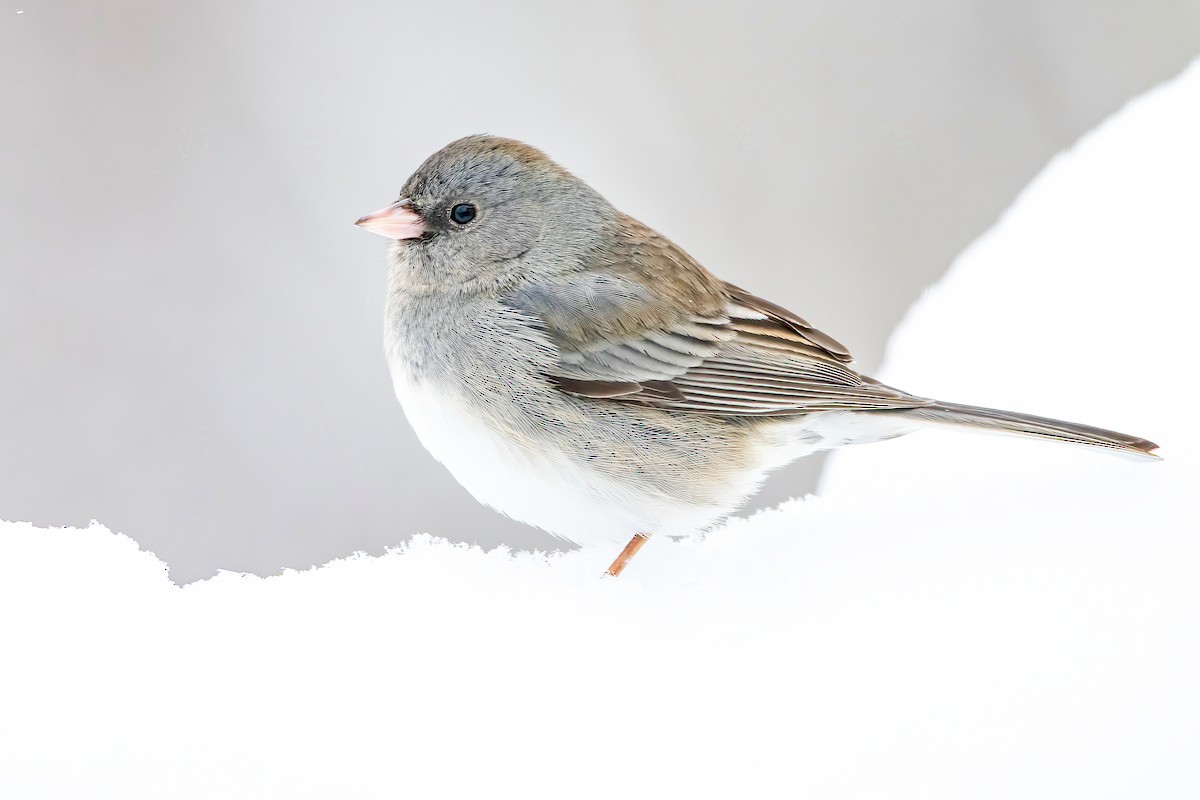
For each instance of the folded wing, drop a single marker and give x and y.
(715, 349)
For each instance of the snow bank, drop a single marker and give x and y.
(957, 616)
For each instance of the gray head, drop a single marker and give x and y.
(485, 209)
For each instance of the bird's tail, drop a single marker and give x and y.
(995, 420)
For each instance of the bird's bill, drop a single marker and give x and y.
(397, 221)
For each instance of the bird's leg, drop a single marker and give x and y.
(629, 552)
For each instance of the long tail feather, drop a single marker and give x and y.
(992, 419)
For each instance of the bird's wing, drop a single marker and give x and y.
(713, 348)
(719, 351)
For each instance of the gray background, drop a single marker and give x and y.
(190, 325)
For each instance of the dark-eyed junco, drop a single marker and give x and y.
(579, 372)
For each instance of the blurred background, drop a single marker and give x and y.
(190, 325)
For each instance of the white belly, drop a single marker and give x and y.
(538, 485)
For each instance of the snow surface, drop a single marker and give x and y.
(957, 616)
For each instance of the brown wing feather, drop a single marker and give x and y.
(782, 319)
(757, 360)
(713, 349)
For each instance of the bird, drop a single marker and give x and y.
(578, 371)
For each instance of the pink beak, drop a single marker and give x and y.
(397, 221)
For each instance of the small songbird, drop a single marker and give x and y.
(580, 372)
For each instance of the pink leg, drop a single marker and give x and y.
(629, 552)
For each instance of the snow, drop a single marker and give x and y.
(956, 615)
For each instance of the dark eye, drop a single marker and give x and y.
(462, 213)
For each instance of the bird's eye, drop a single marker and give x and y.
(462, 213)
